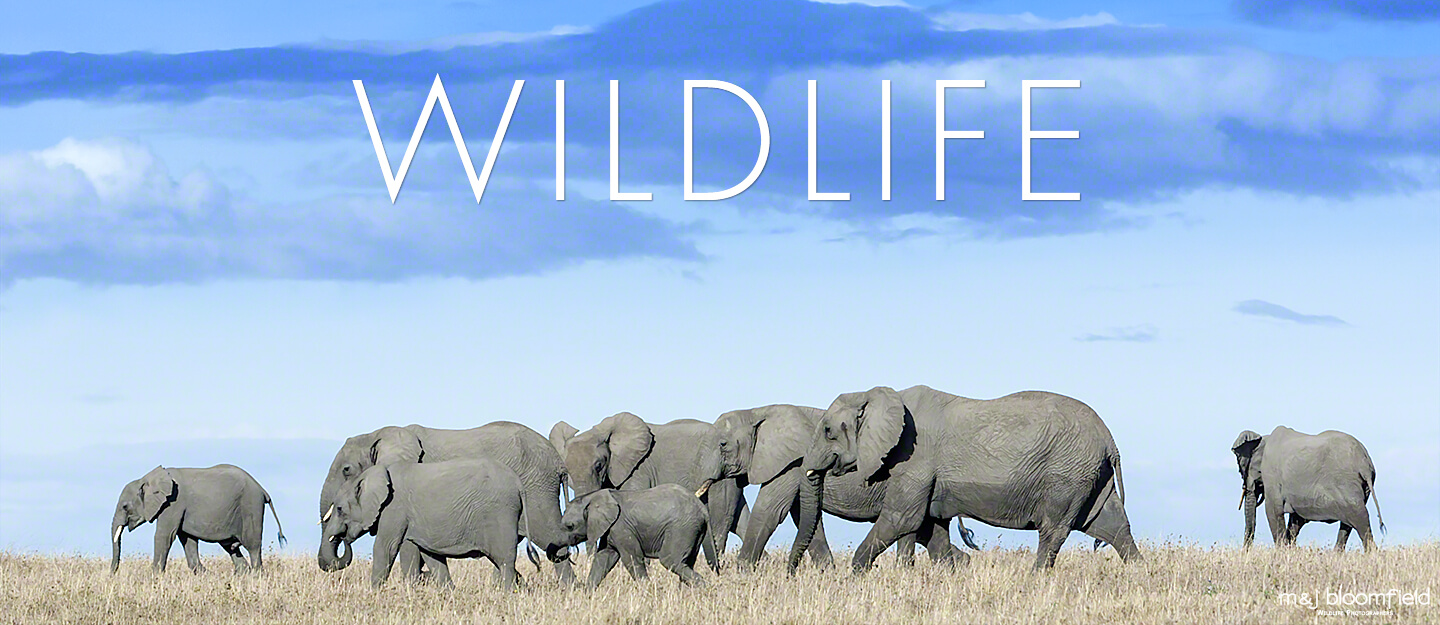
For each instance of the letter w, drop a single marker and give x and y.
(437, 93)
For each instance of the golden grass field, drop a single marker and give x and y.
(1176, 584)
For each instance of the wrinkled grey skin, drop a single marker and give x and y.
(520, 448)
(1325, 477)
(467, 508)
(765, 446)
(1032, 460)
(626, 453)
(220, 504)
(665, 522)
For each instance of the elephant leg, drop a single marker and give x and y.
(388, 543)
(165, 532)
(819, 549)
(1113, 526)
(601, 564)
(1359, 519)
(935, 535)
(1275, 516)
(680, 558)
(1052, 537)
(1292, 529)
(775, 498)
(237, 558)
(902, 512)
(905, 549)
(438, 565)
(192, 552)
(635, 563)
(1342, 537)
(504, 575)
(742, 518)
(411, 560)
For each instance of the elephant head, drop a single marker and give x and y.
(140, 502)
(355, 513)
(589, 518)
(1249, 449)
(760, 443)
(606, 455)
(359, 453)
(857, 432)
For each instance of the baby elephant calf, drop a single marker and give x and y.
(220, 504)
(666, 522)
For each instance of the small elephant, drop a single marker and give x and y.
(220, 504)
(1325, 477)
(452, 509)
(665, 522)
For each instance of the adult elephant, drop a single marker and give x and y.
(626, 453)
(520, 448)
(764, 446)
(1032, 460)
(1324, 477)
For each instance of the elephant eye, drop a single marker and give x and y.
(347, 470)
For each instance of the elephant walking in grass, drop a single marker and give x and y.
(765, 445)
(1031, 460)
(442, 510)
(626, 453)
(666, 522)
(220, 504)
(523, 450)
(1325, 477)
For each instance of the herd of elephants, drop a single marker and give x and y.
(906, 461)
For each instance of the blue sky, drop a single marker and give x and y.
(199, 262)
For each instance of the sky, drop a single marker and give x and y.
(200, 262)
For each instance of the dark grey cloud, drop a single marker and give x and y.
(1262, 308)
(1131, 334)
(1313, 13)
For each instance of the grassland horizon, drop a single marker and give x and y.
(1177, 583)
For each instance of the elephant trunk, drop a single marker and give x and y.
(1249, 501)
(328, 558)
(115, 531)
(811, 488)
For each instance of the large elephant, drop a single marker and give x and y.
(220, 504)
(520, 448)
(466, 508)
(1032, 460)
(626, 453)
(1324, 477)
(765, 445)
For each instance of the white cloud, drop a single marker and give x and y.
(1023, 21)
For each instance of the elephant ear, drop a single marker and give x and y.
(782, 434)
(708, 465)
(560, 435)
(601, 512)
(882, 420)
(1244, 438)
(157, 487)
(629, 440)
(372, 490)
(395, 444)
(1247, 449)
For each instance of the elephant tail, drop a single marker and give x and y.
(280, 531)
(1114, 455)
(1376, 496)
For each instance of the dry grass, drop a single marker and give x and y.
(1176, 584)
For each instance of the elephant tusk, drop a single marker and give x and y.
(329, 512)
(700, 492)
(810, 473)
(116, 537)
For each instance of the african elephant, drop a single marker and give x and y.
(626, 453)
(466, 508)
(520, 448)
(665, 522)
(220, 504)
(1324, 477)
(1030, 460)
(764, 446)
